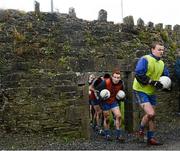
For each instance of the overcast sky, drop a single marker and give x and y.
(157, 11)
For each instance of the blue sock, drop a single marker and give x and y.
(118, 132)
(141, 127)
(107, 132)
(150, 134)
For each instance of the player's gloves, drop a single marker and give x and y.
(156, 84)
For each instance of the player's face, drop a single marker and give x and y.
(158, 51)
(116, 78)
(91, 78)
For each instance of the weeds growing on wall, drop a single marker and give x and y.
(18, 37)
(66, 46)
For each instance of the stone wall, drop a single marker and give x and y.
(47, 57)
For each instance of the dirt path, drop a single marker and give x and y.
(169, 134)
(171, 141)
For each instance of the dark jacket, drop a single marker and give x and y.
(177, 68)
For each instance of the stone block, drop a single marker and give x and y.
(150, 24)
(128, 21)
(102, 16)
(140, 22)
(69, 88)
(168, 27)
(159, 26)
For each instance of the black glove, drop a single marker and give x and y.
(167, 90)
(144, 79)
(157, 84)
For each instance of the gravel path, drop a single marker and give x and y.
(171, 141)
(169, 134)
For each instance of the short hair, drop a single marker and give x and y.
(106, 76)
(97, 82)
(153, 45)
(116, 70)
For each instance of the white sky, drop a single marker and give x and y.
(157, 11)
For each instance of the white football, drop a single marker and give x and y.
(120, 95)
(166, 82)
(105, 94)
(89, 92)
